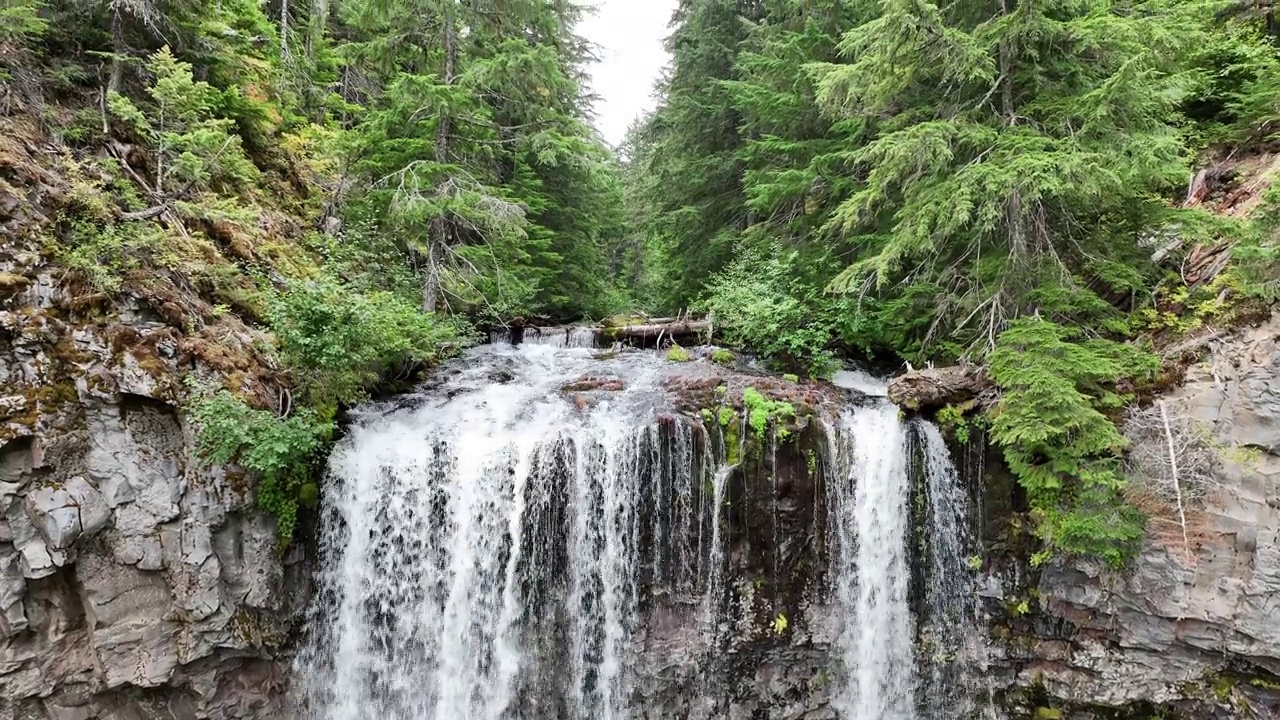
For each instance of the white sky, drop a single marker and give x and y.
(630, 35)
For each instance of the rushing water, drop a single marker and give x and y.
(489, 546)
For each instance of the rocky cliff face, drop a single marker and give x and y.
(134, 583)
(1191, 630)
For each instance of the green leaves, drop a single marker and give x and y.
(280, 451)
(21, 21)
(195, 149)
(1056, 438)
(339, 341)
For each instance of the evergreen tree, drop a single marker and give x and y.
(1017, 154)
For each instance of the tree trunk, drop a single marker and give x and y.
(438, 234)
(929, 389)
(284, 29)
(431, 284)
(1006, 70)
(117, 51)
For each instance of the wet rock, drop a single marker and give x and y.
(589, 384)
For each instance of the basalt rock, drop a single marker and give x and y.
(1188, 632)
(135, 583)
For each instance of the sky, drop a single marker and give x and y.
(629, 34)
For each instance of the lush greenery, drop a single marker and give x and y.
(323, 197)
(340, 192)
(998, 182)
(1050, 421)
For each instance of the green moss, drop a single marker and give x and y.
(761, 411)
(720, 356)
(678, 354)
(1264, 683)
(791, 377)
(732, 443)
(1044, 713)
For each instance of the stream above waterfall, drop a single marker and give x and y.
(554, 533)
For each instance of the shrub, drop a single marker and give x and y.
(757, 306)
(1064, 451)
(280, 451)
(340, 342)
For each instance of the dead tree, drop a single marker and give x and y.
(1171, 460)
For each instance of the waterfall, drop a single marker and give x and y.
(952, 620)
(571, 336)
(494, 549)
(869, 493)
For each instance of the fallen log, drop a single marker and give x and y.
(652, 331)
(934, 388)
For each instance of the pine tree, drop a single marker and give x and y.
(1017, 153)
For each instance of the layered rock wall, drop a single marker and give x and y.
(1191, 630)
(134, 583)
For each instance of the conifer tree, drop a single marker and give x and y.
(1018, 151)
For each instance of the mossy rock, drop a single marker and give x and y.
(11, 284)
(678, 354)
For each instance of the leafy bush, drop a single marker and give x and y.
(339, 341)
(278, 450)
(756, 306)
(1051, 425)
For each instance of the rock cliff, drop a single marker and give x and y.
(1191, 629)
(134, 583)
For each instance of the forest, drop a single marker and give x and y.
(1065, 193)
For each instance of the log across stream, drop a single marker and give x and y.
(637, 332)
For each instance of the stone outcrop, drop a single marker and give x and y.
(134, 582)
(1196, 634)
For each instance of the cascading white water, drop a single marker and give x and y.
(488, 546)
(951, 619)
(869, 493)
(572, 336)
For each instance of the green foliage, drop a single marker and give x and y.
(762, 411)
(953, 419)
(194, 149)
(720, 356)
(21, 21)
(280, 451)
(675, 353)
(339, 341)
(104, 253)
(1056, 438)
(1258, 254)
(756, 306)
